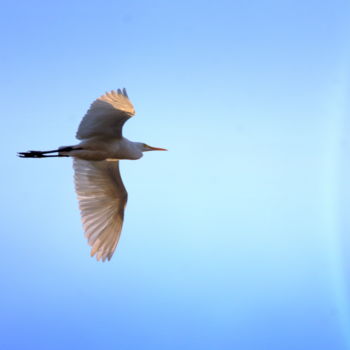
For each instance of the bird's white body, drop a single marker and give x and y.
(97, 148)
(101, 193)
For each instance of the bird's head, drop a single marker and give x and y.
(146, 148)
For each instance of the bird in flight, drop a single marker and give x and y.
(101, 193)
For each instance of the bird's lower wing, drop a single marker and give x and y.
(102, 199)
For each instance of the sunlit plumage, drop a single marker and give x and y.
(101, 193)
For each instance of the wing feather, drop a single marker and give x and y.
(102, 200)
(106, 116)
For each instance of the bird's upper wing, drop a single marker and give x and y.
(106, 116)
(102, 199)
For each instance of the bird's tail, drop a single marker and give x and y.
(47, 154)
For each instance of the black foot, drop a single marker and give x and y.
(31, 154)
(38, 154)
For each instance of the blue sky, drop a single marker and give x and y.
(234, 239)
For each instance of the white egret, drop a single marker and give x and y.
(100, 190)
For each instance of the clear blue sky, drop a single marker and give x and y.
(234, 239)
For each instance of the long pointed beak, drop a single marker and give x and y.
(157, 149)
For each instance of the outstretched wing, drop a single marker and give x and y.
(102, 200)
(106, 116)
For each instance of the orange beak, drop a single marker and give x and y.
(157, 149)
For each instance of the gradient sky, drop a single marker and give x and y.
(234, 239)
